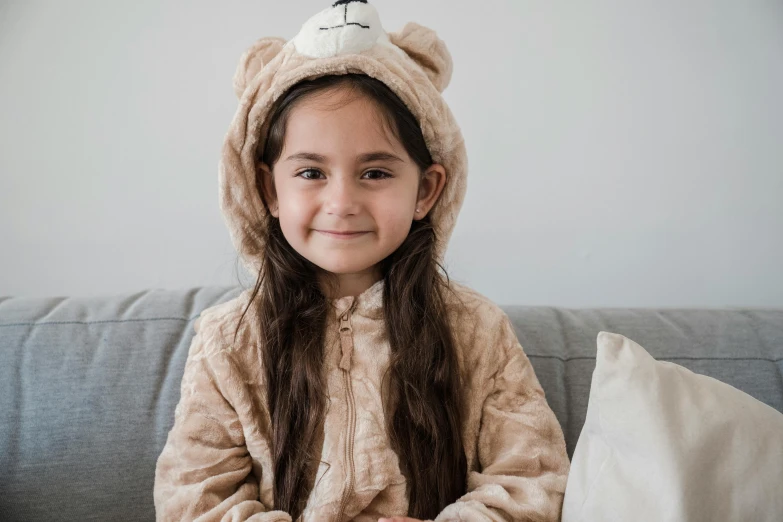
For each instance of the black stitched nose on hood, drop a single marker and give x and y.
(342, 2)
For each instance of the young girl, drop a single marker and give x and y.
(355, 381)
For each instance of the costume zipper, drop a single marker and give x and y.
(346, 344)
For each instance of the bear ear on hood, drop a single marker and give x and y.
(253, 60)
(427, 50)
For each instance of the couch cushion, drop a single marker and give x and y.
(661, 442)
(88, 388)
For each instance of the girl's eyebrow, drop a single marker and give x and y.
(363, 158)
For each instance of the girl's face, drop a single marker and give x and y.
(344, 188)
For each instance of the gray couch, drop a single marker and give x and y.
(88, 386)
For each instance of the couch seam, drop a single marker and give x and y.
(105, 321)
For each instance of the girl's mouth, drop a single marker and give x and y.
(341, 235)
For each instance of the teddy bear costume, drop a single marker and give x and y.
(216, 464)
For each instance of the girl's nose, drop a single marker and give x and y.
(342, 197)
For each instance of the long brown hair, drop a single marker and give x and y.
(425, 413)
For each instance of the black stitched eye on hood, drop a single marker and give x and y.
(341, 2)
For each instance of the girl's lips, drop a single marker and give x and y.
(340, 235)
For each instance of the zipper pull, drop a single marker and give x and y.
(346, 339)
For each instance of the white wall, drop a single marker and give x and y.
(621, 153)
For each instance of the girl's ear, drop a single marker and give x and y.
(430, 52)
(430, 188)
(265, 182)
(253, 60)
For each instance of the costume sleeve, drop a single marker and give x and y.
(521, 448)
(204, 471)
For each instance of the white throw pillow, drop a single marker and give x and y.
(661, 443)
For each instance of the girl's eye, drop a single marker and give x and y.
(317, 172)
(382, 174)
(374, 174)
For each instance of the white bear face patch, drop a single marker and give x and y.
(348, 26)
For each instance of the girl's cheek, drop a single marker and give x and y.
(296, 200)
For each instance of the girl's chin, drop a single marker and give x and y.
(347, 264)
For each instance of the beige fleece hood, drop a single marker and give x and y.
(346, 37)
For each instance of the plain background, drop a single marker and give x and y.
(621, 153)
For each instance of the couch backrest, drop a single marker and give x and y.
(88, 386)
(741, 347)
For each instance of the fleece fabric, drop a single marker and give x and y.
(216, 464)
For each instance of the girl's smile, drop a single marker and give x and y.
(342, 235)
